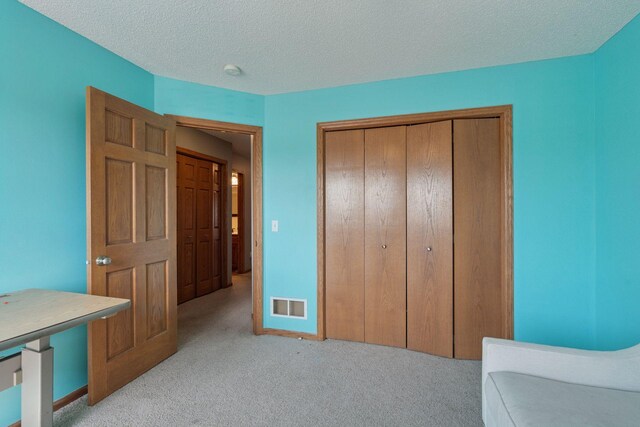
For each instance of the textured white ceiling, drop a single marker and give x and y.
(292, 45)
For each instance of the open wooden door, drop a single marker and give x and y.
(131, 232)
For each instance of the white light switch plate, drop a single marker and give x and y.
(274, 225)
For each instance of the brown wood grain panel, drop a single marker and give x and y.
(204, 174)
(506, 152)
(344, 234)
(203, 267)
(189, 275)
(419, 118)
(479, 310)
(156, 209)
(204, 210)
(430, 238)
(320, 232)
(119, 195)
(156, 300)
(188, 172)
(204, 219)
(186, 210)
(141, 162)
(189, 203)
(118, 129)
(140, 300)
(120, 328)
(385, 236)
(110, 366)
(219, 185)
(201, 225)
(155, 141)
(257, 253)
(217, 230)
(124, 256)
(136, 155)
(504, 114)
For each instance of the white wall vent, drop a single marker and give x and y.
(289, 307)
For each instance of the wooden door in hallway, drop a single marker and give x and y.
(187, 167)
(216, 228)
(200, 226)
(131, 239)
(204, 228)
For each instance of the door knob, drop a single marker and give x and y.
(428, 248)
(384, 246)
(103, 260)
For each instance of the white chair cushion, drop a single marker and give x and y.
(524, 400)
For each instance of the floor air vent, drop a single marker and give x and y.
(289, 307)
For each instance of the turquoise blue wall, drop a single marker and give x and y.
(45, 69)
(553, 177)
(617, 66)
(569, 169)
(207, 102)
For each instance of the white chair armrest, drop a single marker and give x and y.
(611, 369)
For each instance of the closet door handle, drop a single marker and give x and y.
(429, 249)
(384, 246)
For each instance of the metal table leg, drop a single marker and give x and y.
(37, 384)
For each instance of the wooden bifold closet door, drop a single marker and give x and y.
(366, 235)
(413, 236)
(478, 235)
(345, 235)
(430, 238)
(385, 244)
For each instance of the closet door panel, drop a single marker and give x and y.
(204, 219)
(186, 229)
(430, 238)
(385, 236)
(344, 234)
(216, 228)
(478, 293)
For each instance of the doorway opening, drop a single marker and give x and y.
(236, 208)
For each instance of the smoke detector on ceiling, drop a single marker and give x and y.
(232, 70)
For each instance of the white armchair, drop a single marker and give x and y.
(530, 384)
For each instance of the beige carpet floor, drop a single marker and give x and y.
(223, 375)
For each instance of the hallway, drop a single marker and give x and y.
(224, 375)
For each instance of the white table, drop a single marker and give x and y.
(30, 317)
